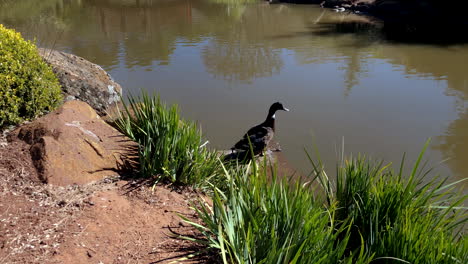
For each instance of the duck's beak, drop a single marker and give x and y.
(285, 109)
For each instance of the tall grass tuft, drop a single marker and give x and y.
(263, 219)
(368, 214)
(397, 217)
(170, 148)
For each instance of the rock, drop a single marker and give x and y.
(83, 80)
(73, 145)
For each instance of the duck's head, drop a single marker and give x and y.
(277, 106)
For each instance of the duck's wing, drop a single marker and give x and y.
(258, 137)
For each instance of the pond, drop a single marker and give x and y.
(224, 64)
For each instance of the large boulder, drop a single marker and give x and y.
(73, 145)
(83, 80)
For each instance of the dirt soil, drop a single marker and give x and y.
(110, 221)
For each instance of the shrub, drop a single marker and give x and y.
(169, 148)
(28, 87)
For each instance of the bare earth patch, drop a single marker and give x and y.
(110, 221)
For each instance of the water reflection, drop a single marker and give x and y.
(448, 65)
(242, 55)
(443, 63)
(28, 11)
(454, 144)
(241, 62)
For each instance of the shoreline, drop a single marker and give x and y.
(425, 21)
(426, 12)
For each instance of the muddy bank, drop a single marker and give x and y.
(112, 220)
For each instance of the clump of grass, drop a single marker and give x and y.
(262, 219)
(397, 218)
(170, 149)
(369, 214)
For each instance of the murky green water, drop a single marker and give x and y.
(225, 64)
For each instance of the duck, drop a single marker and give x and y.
(339, 9)
(260, 135)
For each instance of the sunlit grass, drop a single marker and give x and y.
(397, 217)
(369, 214)
(170, 149)
(263, 219)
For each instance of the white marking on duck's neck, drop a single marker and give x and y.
(273, 116)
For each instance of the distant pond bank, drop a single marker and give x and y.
(431, 21)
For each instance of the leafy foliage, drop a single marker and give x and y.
(28, 87)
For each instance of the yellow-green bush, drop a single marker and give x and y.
(28, 87)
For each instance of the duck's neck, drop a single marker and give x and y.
(270, 120)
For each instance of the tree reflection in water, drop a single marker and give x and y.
(241, 63)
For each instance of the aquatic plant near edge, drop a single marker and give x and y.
(169, 148)
(263, 219)
(398, 218)
(370, 214)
